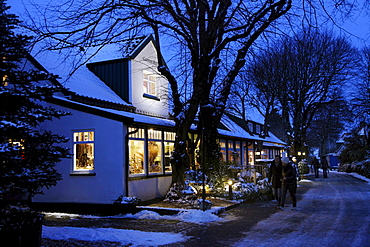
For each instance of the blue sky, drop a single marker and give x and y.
(356, 25)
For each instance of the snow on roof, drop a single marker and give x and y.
(78, 78)
(273, 139)
(137, 118)
(119, 50)
(234, 129)
(238, 131)
(254, 115)
(82, 81)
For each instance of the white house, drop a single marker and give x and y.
(121, 135)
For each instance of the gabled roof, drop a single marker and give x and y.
(82, 82)
(126, 49)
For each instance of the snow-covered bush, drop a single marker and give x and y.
(303, 167)
(127, 200)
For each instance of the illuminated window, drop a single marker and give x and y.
(136, 154)
(154, 151)
(154, 156)
(5, 81)
(169, 147)
(19, 145)
(83, 146)
(150, 151)
(236, 154)
(149, 83)
(250, 154)
(223, 149)
(136, 150)
(230, 150)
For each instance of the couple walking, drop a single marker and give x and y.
(323, 163)
(283, 177)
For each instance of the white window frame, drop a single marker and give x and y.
(150, 81)
(74, 143)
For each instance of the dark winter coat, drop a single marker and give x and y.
(275, 174)
(288, 176)
(324, 163)
(315, 163)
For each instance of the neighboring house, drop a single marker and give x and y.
(363, 132)
(121, 134)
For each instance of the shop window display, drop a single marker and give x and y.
(136, 154)
(150, 151)
(154, 156)
(83, 150)
(169, 147)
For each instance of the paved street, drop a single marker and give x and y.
(332, 212)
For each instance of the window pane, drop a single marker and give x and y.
(91, 136)
(84, 156)
(223, 149)
(169, 136)
(149, 82)
(152, 88)
(145, 86)
(169, 147)
(136, 154)
(154, 156)
(138, 133)
(154, 134)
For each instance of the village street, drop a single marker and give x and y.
(333, 212)
(330, 212)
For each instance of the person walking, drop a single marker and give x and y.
(316, 165)
(324, 166)
(274, 177)
(289, 182)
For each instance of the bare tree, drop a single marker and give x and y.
(240, 95)
(310, 69)
(361, 95)
(204, 32)
(326, 126)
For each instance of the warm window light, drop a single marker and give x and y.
(258, 153)
(4, 82)
(299, 153)
(303, 153)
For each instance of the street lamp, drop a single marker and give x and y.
(230, 183)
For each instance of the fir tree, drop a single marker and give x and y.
(27, 155)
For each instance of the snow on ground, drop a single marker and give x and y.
(193, 216)
(125, 237)
(356, 175)
(134, 237)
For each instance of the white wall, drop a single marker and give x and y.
(151, 188)
(147, 59)
(109, 156)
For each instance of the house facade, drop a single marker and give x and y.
(120, 133)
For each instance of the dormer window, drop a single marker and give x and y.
(149, 83)
(258, 129)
